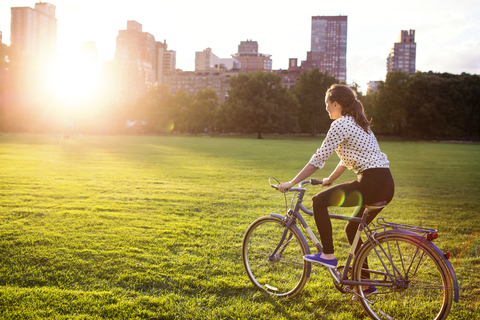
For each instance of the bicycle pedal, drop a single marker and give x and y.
(322, 265)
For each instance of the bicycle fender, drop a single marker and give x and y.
(302, 238)
(279, 216)
(456, 287)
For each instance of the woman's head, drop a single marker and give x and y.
(343, 97)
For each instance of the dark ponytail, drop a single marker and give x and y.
(351, 106)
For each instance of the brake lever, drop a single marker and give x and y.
(276, 187)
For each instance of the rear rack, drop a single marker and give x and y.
(419, 230)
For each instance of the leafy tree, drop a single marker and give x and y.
(428, 105)
(389, 109)
(258, 103)
(156, 108)
(182, 105)
(428, 112)
(310, 91)
(467, 88)
(201, 114)
(369, 101)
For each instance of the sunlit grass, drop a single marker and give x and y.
(151, 227)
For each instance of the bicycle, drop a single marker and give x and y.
(413, 277)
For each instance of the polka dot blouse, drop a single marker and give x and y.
(357, 150)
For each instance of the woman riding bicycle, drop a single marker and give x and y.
(351, 137)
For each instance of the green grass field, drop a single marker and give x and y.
(150, 227)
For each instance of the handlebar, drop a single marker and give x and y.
(312, 181)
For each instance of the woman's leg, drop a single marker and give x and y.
(342, 195)
(375, 185)
(372, 186)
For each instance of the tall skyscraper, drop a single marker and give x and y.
(135, 59)
(249, 58)
(328, 46)
(34, 31)
(140, 61)
(403, 53)
(166, 60)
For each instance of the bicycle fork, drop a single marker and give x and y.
(274, 256)
(291, 218)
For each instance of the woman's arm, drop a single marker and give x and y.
(335, 174)
(335, 135)
(306, 172)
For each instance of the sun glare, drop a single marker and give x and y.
(74, 85)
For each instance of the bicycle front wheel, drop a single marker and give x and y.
(416, 286)
(283, 273)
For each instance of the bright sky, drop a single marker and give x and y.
(447, 33)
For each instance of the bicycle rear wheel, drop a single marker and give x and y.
(421, 287)
(282, 274)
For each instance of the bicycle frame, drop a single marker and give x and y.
(417, 232)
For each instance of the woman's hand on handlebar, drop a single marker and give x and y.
(326, 182)
(283, 187)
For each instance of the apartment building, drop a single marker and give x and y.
(402, 56)
(166, 61)
(328, 46)
(135, 61)
(140, 61)
(34, 31)
(193, 81)
(291, 75)
(328, 51)
(250, 59)
(207, 60)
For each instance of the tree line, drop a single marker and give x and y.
(257, 103)
(425, 106)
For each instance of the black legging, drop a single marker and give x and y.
(373, 185)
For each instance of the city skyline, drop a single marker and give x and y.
(447, 37)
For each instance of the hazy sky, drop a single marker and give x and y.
(447, 33)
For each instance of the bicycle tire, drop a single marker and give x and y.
(284, 274)
(425, 288)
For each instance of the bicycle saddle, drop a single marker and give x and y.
(377, 205)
